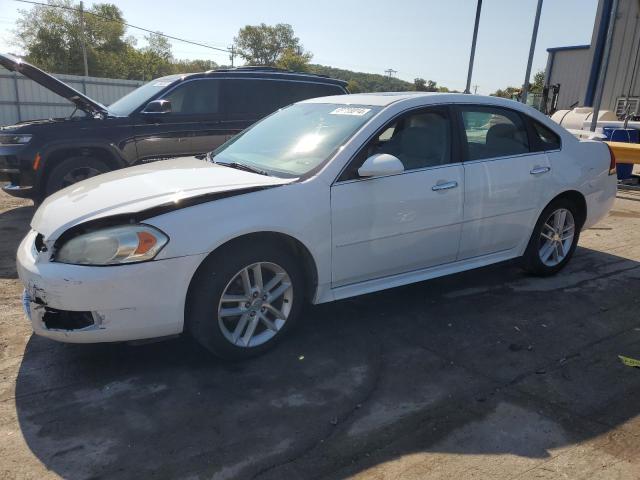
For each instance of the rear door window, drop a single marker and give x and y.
(195, 97)
(493, 132)
(297, 91)
(251, 99)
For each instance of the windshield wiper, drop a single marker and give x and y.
(243, 166)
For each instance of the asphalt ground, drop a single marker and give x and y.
(485, 374)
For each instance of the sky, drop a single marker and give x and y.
(417, 38)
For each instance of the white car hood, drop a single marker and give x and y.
(134, 189)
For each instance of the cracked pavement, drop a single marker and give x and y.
(484, 374)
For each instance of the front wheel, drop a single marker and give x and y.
(242, 301)
(73, 170)
(554, 239)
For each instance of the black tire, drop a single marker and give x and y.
(531, 260)
(209, 283)
(72, 170)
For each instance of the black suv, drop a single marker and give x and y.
(172, 116)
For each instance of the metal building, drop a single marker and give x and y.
(576, 68)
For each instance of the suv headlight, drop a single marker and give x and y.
(113, 246)
(14, 139)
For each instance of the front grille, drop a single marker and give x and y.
(55, 319)
(39, 243)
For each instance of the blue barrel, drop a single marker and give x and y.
(625, 135)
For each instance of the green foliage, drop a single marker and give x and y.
(422, 85)
(511, 92)
(292, 60)
(364, 82)
(508, 92)
(272, 46)
(354, 87)
(538, 82)
(52, 40)
(52, 37)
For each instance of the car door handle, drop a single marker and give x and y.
(539, 170)
(444, 186)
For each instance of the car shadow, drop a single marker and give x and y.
(487, 362)
(14, 225)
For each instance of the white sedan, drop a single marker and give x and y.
(326, 199)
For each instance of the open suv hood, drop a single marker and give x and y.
(51, 83)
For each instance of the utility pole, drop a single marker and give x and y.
(604, 66)
(532, 47)
(232, 50)
(83, 41)
(475, 89)
(390, 72)
(473, 47)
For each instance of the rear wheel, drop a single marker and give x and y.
(554, 239)
(73, 170)
(243, 300)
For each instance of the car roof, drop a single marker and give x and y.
(257, 72)
(384, 99)
(418, 99)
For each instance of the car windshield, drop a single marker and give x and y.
(127, 104)
(296, 139)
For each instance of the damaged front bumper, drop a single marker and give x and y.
(87, 304)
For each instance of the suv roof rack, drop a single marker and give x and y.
(262, 68)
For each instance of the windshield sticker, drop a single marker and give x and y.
(357, 111)
(161, 84)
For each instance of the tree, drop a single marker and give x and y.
(292, 60)
(353, 86)
(420, 84)
(269, 45)
(52, 37)
(535, 87)
(538, 82)
(508, 92)
(363, 82)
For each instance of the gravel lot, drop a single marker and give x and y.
(486, 374)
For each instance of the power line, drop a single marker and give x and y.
(64, 7)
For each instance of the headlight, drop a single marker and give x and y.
(14, 139)
(112, 246)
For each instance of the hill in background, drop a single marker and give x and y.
(363, 82)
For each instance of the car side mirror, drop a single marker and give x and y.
(381, 164)
(157, 107)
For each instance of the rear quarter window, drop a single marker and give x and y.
(546, 138)
(297, 91)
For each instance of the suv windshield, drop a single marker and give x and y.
(127, 104)
(295, 140)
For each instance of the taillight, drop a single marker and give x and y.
(612, 162)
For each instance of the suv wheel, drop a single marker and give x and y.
(73, 170)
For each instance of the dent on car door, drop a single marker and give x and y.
(505, 181)
(393, 224)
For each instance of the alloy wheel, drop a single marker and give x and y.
(255, 304)
(556, 237)
(78, 174)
